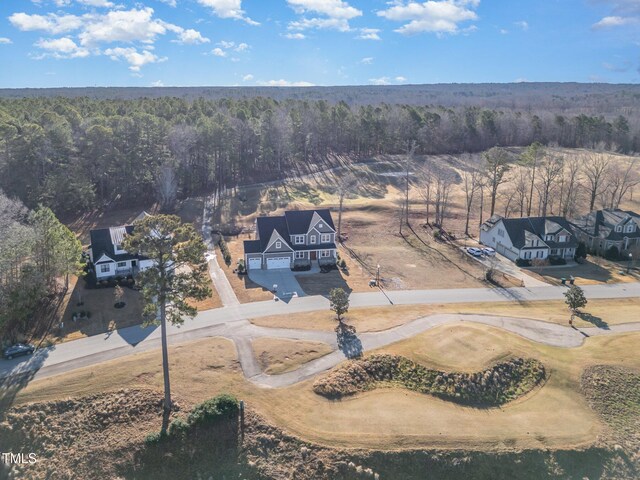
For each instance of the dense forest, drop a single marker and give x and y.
(73, 154)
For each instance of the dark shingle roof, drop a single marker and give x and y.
(266, 226)
(102, 243)
(294, 222)
(602, 223)
(520, 228)
(298, 220)
(252, 246)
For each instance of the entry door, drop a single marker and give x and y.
(314, 255)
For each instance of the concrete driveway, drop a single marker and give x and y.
(287, 285)
(505, 265)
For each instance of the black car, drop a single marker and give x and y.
(17, 350)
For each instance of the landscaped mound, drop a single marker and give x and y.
(497, 385)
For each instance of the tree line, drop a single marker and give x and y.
(38, 254)
(75, 154)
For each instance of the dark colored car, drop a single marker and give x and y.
(17, 350)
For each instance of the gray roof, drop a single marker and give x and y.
(293, 222)
(104, 239)
(602, 223)
(522, 229)
(298, 221)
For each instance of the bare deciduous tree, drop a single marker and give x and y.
(551, 167)
(497, 166)
(596, 167)
(620, 180)
(572, 173)
(471, 181)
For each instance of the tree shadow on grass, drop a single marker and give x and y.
(348, 342)
(596, 321)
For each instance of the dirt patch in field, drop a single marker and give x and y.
(277, 355)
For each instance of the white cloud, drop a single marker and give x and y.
(5, 41)
(435, 16)
(334, 14)
(124, 26)
(247, 78)
(615, 21)
(157, 83)
(367, 60)
(369, 34)
(192, 37)
(136, 59)
(171, 3)
(624, 66)
(380, 81)
(96, 3)
(224, 47)
(504, 31)
(387, 80)
(50, 23)
(62, 48)
(228, 9)
(522, 25)
(624, 13)
(285, 83)
(218, 52)
(295, 36)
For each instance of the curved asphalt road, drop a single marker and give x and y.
(232, 322)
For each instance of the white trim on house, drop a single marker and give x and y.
(277, 238)
(315, 220)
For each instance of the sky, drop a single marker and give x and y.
(76, 43)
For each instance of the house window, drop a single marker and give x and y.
(320, 225)
(299, 239)
(618, 228)
(325, 253)
(326, 238)
(278, 244)
(122, 264)
(312, 239)
(106, 268)
(299, 254)
(563, 238)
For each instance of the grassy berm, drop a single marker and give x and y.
(107, 436)
(494, 386)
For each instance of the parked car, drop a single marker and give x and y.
(489, 252)
(17, 350)
(476, 252)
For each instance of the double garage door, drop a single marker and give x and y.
(278, 262)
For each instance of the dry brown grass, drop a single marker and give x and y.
(246, 290)
(375, 319)
(555, 415)
(277, 355)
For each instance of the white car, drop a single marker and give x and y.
(476, 252)
(489, 252)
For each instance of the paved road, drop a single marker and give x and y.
(232, 322)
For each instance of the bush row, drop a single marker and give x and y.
(497, 385)
(225, 251)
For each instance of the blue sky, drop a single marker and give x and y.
(48, 43)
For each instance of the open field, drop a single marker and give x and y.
(599, 313)
(555, 415)
(277, 355)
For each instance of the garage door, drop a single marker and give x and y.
(278, 262)
(255, 263)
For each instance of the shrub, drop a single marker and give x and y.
(214, 409)
(557, 260)
(178, 428)
(224, 249)
(612, 253)
(155, 438)
(342, 264)
(241, 266)
(301, 267)
(581, 251)
(521, 262)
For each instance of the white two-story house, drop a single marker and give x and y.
(299, 237)
(529, 238)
